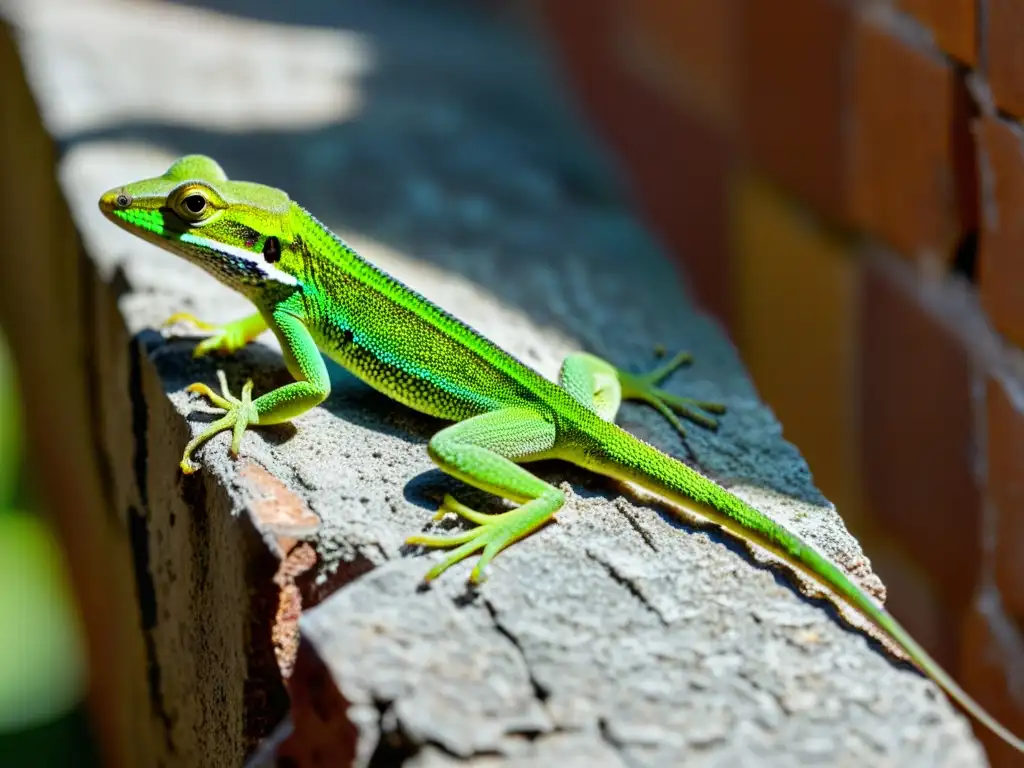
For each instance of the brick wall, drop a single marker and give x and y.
(843, 183)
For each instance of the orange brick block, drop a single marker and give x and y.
(1005, 490)
(986, 671)
(917, 430)
(678, 166)
(954, 24)
(868, 129)
(794, 91)
(1001, 238)
(797, 299)
(1004, 24)
(904, 176)
(695, 48)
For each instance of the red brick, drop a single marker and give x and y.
(285, 629)
(322, 731)
(903, 182)
(986, 671)
(679, 169)
(1004, 23)
(917, 431)
(280, 514)
(794, 91)
(954, 23)
(965, 159)
(583, 37)
(913, 597)
(1005, 489)
(677, 165)
(1001, 238)
(695, 47)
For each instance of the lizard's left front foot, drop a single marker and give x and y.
(643, 387)
(492, 533)
(226, 339)
(240, 413)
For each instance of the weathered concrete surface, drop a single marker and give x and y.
(434, 143)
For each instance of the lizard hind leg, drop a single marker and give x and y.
(483, 452)
(601, 386)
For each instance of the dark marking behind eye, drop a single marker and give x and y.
(272, 249)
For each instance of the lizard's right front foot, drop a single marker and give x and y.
(225, 339)
(240, 413)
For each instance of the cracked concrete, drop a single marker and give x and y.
(619, 635)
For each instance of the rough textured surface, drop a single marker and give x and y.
(617, 636)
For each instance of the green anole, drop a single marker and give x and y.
(318, 295)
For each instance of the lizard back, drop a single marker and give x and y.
(353, 309)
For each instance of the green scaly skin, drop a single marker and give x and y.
(316, 294)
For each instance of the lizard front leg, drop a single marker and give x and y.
(227, 338)
(601, 386)
(283, 404)
(483, 452)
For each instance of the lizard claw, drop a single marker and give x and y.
(239, 414)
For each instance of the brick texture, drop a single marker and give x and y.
(917, 422)
(1005, 484)
(1001, 241)
(1004, 22)
(794, 96)
(953, 23)
(676, 163)
(903, 183)
(697, 41)
(986, 671)
(809, 384)
(913, 596)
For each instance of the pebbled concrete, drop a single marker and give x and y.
(619, 635)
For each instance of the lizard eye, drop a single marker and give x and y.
(123, 200)
(194, 204)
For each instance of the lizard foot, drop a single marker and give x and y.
(492, 534)
(226, 339)
(643, 387)
(239, 414)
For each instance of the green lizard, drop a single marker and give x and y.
(317, 294)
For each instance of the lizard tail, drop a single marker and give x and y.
(627, 458)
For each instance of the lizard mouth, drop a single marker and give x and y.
(109, 202)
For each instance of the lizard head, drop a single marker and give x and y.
(237, 231)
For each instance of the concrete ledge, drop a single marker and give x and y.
(618, 636)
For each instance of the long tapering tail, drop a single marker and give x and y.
(625, 457)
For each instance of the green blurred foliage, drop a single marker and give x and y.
(42, 665)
